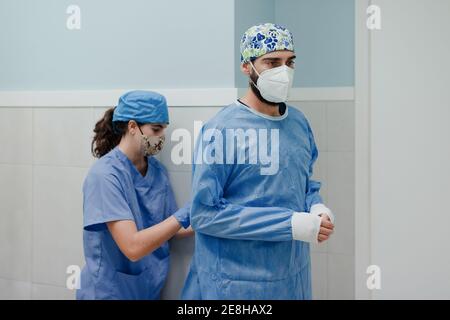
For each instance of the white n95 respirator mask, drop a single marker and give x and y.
(275, 84)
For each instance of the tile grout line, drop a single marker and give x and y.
(328, 276)
(327, 177)
(44, 165)
(32, 205)
(33, 282)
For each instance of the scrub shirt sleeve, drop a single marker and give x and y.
(213, 214)
(104, 200)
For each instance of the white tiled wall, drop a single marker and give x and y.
(57, 222)
(333, 262)
(45, 157)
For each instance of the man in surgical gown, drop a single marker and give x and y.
(255, 208)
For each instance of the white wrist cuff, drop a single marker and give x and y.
(320, 208)
(305, 226)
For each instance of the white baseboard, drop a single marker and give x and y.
(108, 98)
(317, 94)
(322, 94)
(175, 97)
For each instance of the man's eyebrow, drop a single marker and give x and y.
(277, 59)
(271, 59)
(157, 125)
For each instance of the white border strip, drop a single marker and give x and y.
(363, 214)
(322, 94)
(318, 94)
(175, 97)
(108, 98)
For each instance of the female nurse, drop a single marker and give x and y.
(129, 209)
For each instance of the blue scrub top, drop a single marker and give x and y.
(242, 218)
(115, 190)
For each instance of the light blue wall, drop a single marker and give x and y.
(324, 40)
(247, 14)
(121, 44)
(165, 44)
(323, 34)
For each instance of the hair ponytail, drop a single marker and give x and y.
(107, 134)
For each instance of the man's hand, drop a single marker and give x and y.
(326, 228)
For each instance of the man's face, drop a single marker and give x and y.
(266, 62)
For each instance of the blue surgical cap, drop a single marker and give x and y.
(143, 107)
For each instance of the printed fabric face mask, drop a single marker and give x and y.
(152, 145)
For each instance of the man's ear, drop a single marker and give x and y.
(246, 68)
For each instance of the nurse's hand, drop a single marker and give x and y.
(183, 215)
(183, 233)
(326, 228)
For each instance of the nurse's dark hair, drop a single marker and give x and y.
(107, 134)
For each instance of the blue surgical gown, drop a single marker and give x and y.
(244, 247)
(115, 190)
